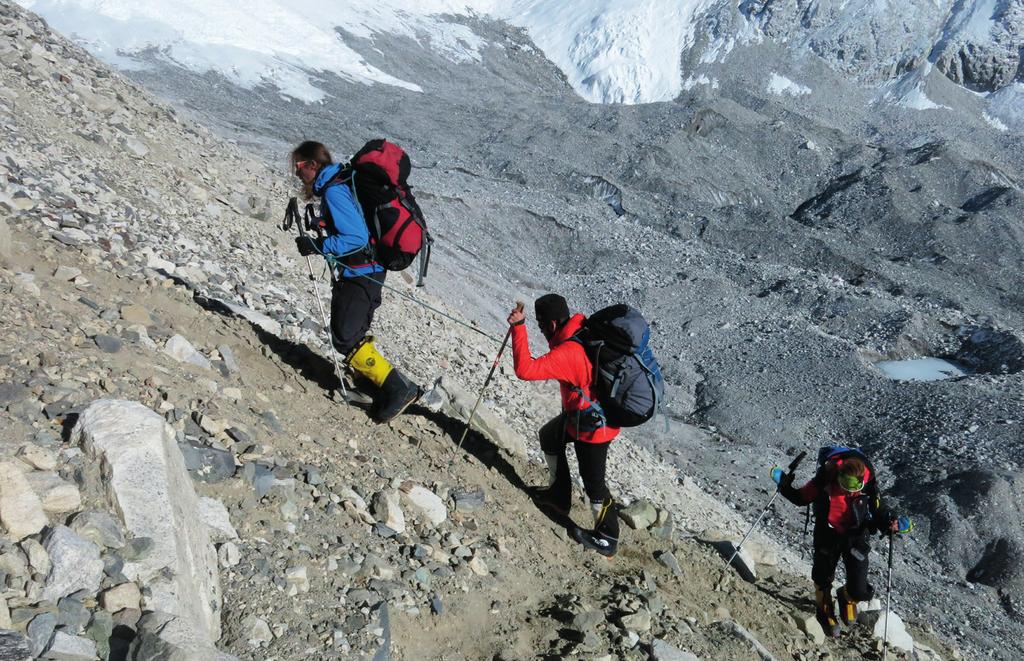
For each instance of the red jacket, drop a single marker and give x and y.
(567, 363)
(840, 512)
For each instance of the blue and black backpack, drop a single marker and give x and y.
(628, 383)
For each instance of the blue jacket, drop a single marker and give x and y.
(349, 233)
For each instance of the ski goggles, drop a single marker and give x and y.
(851, 483)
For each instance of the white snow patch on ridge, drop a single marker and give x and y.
(257, 41)
(909, 91)
(781, 85)
(994, 122)
(611, 51)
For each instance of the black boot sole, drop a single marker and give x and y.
(583, 537)
(412, 400)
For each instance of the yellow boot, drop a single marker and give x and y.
(396, 391)
(825, 611)
(366, 360)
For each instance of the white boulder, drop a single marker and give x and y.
(426, 502)
(148, 486)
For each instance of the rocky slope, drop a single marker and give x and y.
(156, 324)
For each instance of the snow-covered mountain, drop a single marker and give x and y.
(611, 51)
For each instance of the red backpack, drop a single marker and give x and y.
(398, 230)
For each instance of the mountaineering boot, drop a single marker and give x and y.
(604, 538)
(825, 612)
(557, 495)
(355, 391)
(847, 607)
(395, 391)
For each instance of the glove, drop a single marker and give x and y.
(307, 246)
(902, 525)
(782, 478)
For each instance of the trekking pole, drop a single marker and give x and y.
(807, 524)
(490, 374)
(888, 605)
(291, 217)
(792, 467)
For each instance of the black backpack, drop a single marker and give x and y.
(627, 383)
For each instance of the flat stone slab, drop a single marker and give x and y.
(147, 485)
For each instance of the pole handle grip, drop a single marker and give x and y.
(796, 462)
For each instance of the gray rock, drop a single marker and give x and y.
(256, 631)
(260, 477)
(5, 241)
(664, 651)
(66, 647)
(639, 515)
(72, 615)
(99, 631)
(66, 273)
(258, 319)
(14, 646)
(164, 637)
(588, 620)
(135, 146)
(668, 559)
(384, 506)
(40, 632)
(208, 464)
(808, 623)
(107, 343)
(733, 627)
(76, 564)
(639, 621)
(182, 351)
(58, 495)
(12, 392)
(99, 528)
(228, 356)
(468, 500)
(218, 523)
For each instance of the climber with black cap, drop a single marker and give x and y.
(567, 363)
(847, 509)
(356, 292)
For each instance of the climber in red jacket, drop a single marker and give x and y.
(567, 363)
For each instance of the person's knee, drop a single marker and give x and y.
(823, 568)
(552, 436)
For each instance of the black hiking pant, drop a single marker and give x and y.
(592, 459)
(353, 302)
(829, 547)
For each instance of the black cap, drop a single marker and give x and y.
(551, 307)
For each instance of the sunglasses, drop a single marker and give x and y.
(301, 164)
